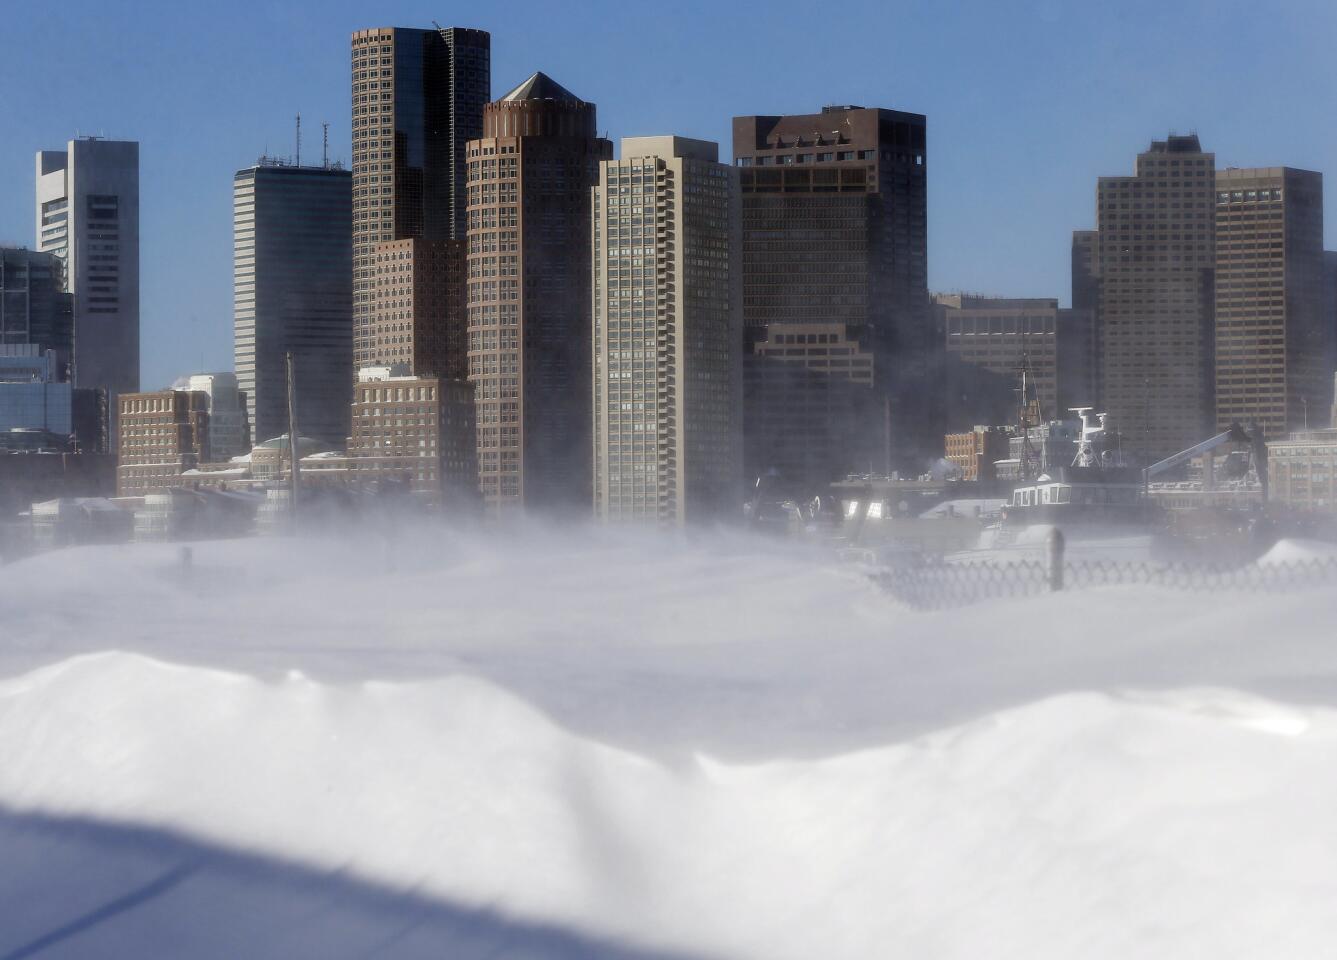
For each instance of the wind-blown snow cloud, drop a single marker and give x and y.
(725, 748)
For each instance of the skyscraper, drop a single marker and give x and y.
(1157, 255)
(1079, 359)
(292, 283)
(667, 334)
(88, 216)
(530, 176)
(1273, 330)
(835, 236)
(418, 98)
(418, 307)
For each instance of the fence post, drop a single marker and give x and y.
(1055, 559)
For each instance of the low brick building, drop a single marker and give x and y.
(416, 429)
(160, 436)
(976, 451)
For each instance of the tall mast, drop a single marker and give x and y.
(293, 454)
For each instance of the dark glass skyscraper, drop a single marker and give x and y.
(418, 98)
(292, 289)
(34, 307)
(835, 273)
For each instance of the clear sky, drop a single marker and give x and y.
(1027, 103)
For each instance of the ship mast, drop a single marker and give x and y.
(1029, 404)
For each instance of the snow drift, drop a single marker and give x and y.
(585, 745)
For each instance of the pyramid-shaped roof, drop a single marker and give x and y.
(542, 87)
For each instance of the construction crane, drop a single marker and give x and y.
(1235, 435)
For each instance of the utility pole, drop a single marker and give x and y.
(293, 455)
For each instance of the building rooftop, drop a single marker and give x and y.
(540, 86)
(305, 445)
(1177, 144)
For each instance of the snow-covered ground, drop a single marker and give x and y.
(575, 744)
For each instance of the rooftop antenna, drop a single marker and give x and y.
(439, 28)
(325, 145)
(299, 141)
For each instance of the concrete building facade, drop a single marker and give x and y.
(418, 98)
(1157, 255)
(809, 404)
(292, 292)
(667, 348)
(835, 232)
(530, 178)
(1274, 330)
(1302, 470)
(998, 335)
(88, 218)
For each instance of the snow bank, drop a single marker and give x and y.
(1299, 551)
(729, 749)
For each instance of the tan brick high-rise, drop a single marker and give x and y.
(529, 180)
(1273, 337)
(418, 307)
(1157, 254)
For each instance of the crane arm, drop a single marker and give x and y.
(1234, 435)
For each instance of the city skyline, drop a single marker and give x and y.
(1019, 134)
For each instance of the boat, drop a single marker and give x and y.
(1099, 487)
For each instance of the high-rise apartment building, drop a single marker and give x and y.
(1273, 328)
(34, 307)
(88, 217)
(161, 435)
(1157, 255)
(292, 289)
(418, 98)
(529, 294)
(667, 334)
(835, 233)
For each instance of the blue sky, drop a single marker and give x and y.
(1027, 103)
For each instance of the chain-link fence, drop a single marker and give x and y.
(940, 585)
